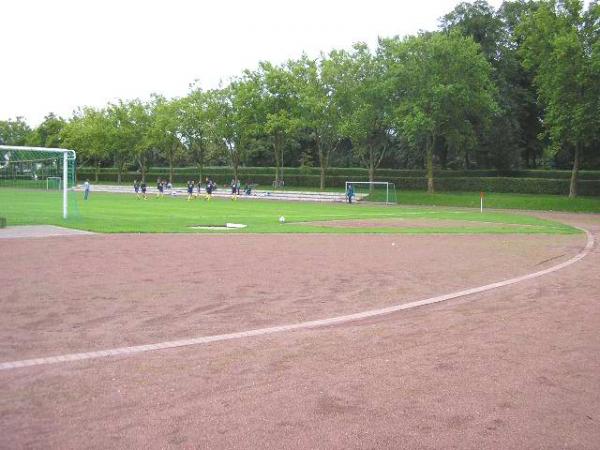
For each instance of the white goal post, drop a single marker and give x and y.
(371, 186)
(19, 155)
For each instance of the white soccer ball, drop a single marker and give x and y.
(282, 219)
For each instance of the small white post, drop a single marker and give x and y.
(387, 193)
(65, 183)
(481, 201)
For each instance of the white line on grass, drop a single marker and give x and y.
(296, 326)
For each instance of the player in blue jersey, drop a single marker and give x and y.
(190, 189)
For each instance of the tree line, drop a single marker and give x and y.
(516, 87)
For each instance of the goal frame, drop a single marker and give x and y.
(67, 155)
(60, 182)
(372, 183)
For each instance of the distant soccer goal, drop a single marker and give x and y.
(373, 191)
(54, 183)
(31, 168)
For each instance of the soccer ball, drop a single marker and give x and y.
(282, 219)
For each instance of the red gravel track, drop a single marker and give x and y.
(515, 367)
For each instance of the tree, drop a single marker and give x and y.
(123, 134)
(14, 132)
(280, 110)
(233, 111)
(86, 133)
(48, 133)
(363, 97)
(561, 45)
(319, 113)
(195, 126)
(513, 132)
(165, 131)
(443, 89)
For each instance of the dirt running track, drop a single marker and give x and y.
(517, 367)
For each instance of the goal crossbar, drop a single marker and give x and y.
(67, 154)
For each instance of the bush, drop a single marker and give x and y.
(525, 182)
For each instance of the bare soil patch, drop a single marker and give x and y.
(518, 367)
(89, 293)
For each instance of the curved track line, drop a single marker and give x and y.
(296, 326)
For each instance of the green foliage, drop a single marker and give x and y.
(48, 134)
(14, 132)
(561, 44)
(442, 87)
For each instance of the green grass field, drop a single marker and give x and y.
(114, 213)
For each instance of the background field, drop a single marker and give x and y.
(112, 213)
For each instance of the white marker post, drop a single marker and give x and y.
(481, 201)
(65, 181)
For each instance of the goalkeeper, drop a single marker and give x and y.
(350, 192)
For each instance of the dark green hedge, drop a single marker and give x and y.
(501, 184)
(530, 185)
(353, 173)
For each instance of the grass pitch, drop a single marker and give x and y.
(121, 213)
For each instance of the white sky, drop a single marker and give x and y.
(57, 55)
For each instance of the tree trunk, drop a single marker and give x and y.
(323, 160)
(142, 167)
(276, 143)
(97, 172)
(575, 173)
(119, 171)
(170, 169)
(429, 164)
(200, 170)
(371, 168)
(235, 169)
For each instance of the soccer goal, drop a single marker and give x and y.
(38, 168)
(53, 183)
(373, 191)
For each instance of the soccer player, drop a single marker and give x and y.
(209, 188)
(198, 184)
(136, 188)
(160, 187)
(86, 189)
(350, 192)
(143, 188)
(190, 189)
(234, 189)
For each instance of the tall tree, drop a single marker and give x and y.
(123, 134)
(48, 133)
(14, 132)
(363, 96)
(513, 132)
(195, 126)
(233, 111)
(165, 132)
(86, 133)
(320, 114)
(142, 118)
(281, 120)
(561, 44)
(443, 88)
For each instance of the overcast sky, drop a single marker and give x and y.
(58, 54)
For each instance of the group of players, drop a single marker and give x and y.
(194, 188)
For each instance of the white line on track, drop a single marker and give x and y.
(296, 326)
